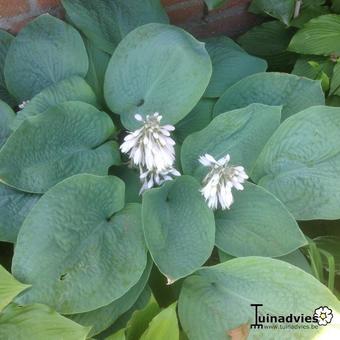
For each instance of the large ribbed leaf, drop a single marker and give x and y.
(300, 164)
(140, 319)
(257, 224)
(216, 300)
(14, 207)
(7, 117)
(295, 258)
(141, 302)
(241, 133)
(45, 52)
(76, 239)
(38, 322)
(163, 326)
(274, 37)
(197, 119)
(313, 67)
(178, 226)
(71, 89)
(335, 82)
(230, 64)
(65, 140)
(319, 36)
(292, 92)
(106, 22)
(156, 68)
(100, 319)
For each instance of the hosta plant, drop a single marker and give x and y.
(304, 37)
(151, 183)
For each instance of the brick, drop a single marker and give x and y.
(184, 11)
(12, 8)
(14, 25)
(231, 19)
(47, 4)
(18, 25)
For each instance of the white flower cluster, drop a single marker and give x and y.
(220, 180)
(152, 150)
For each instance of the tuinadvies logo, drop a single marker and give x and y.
(322, 316)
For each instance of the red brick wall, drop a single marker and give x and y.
(231, 19)
(14, 14)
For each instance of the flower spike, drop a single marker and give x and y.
(152, 150)
(220, 180)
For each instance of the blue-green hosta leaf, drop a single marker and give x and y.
(275, 38)
(98, 61)
(63, 141)
(196, 120)
(230, 64)
(241, 133)
(76, 239)
(100, 319)
(300, 163)
(7, 117)
(38, 322)
(14, 207)
(319, 36)
(9, 288)
(122, 321)
(5, 42)
(282, 10)
(292, 92)
(156, 68)
(217, 299)
(106, 22)
(71, 89)
(163, 326)
(178, 226)
(257, 224)
(45, 52)
(295, 258)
